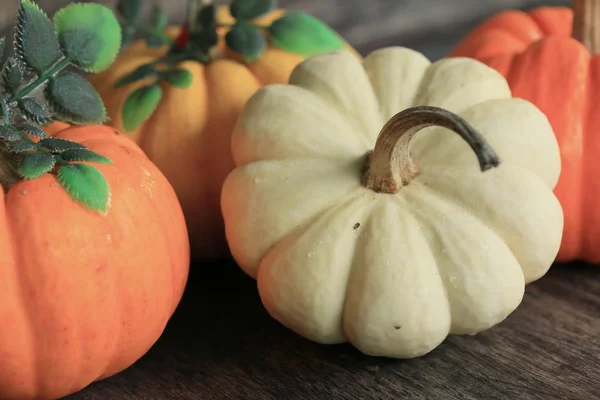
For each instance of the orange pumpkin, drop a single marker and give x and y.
(549, 57)
(85, 295)
(188, 135)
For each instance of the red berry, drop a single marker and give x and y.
(183, 39)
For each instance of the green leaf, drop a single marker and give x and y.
(2, 47)
(22, 147)
(250, 9)
(159, 18)
(129, 9)
(86, 185)
(58, 145)
(89, 34)
(247, 40)
(84, 155)
(142, 72)
(35, 165)
(35, 39)
(33, 130)
(9, 133)
(13, 73)
(73, 99)
(301, 33)
(179, 78)
(140, 104)
(34, 111)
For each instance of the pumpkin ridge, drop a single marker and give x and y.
(352, 195)
(441, 182)
(17, 257)
(420, 199)
(402, 202)
(314, 76)
(586, 246)
(380, 81)
(401, 207)
(549, 20)
(312, 224)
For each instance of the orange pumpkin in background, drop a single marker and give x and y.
(549, 56)
(188, 133)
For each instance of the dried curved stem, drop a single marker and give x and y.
(390, 166)
(586, 24)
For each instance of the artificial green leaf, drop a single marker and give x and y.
(33, 130)
(86, 185)
(247, 40)
(5, 110)
(89, 34)
(301, 33)
(22, 147)
(84, 155)
(160, 18)
(179, 78)
(35, 39)
(58, 145)
(142, 72)
(140, 104)
(9, 133)
(2, 46)
(129, 9)
(34, 111)
(250, 9)
(73, 99)
(35, 165)
(12, 74)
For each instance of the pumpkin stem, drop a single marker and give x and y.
(390, 166)
(194, 7)
(9, 175)
(586, 24)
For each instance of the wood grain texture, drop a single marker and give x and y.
(222, 344)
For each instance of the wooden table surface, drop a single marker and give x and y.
(222, 344)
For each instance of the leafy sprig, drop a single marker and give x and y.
(130, 11)
(83, 36)
(294, 32)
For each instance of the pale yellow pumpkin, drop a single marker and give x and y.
(395, 248)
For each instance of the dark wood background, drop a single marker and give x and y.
(221, 343)
(430, 26)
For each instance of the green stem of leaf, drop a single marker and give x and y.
(4, 107)
(41, 150)
(40, 81)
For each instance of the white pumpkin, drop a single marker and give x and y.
(396, 250)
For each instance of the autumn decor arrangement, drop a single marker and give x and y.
(94, 253)
(549, 56)
(178, 91)
(392, 203)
